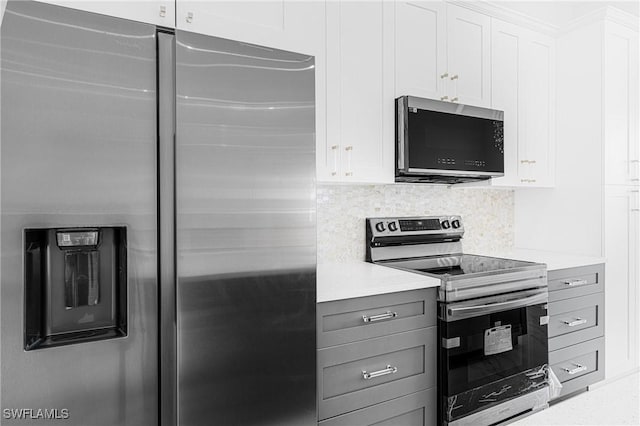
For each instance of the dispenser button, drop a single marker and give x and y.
(77, 238)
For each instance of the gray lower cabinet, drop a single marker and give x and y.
(377, 360)
(576, 326)
(416, 409)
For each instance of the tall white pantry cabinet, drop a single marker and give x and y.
(594, 207)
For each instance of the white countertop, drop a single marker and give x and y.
(338, 281)
(553, 260)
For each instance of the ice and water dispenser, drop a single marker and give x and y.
(75, 285)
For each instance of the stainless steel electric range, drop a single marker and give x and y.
(492, 319)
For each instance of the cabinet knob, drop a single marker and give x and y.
(189, 18)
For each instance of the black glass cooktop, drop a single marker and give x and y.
(458, 264)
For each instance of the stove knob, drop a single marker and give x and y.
(455, 224)
(392, 226)
(445, 224)
(380, 227)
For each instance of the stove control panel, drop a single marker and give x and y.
(427, 225)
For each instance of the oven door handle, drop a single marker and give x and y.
(471, 311)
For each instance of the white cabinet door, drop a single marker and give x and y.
(506, 80)
(621, 105)
(537, 104)
(421, 62)
(621, 205)
(523, 86)
(283, 24)
(158, 12)
(468, 56)
(360, 102)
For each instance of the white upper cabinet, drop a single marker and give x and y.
(443, 52)
(360, 105)
(284, 24)
(622, 159)
(421, 57)
(468, 56)
(523, 86)
(157, 12)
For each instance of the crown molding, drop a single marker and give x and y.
(503, 13)
(606, 13)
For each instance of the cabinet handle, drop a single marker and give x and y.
(578, 368)
(454, 82)
(349, 150)
(334, 148)
(528, 180)
(445, 75)
(573, 283)
(577, 321)
(636, 202)
(380, 317)
(373, 374)
(635, 173)
(189, 17)
(444, 98)
(163, 11)
(527, 161)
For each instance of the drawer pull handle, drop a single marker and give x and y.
(577, 321)
(573, 283)
(374, 374)
(578, 368)
(373, 318)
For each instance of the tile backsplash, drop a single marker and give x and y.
(487, 214)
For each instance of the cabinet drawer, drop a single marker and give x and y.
(575, 282)
(417, 409)
(399, 364)
(351, 320)
(575, 320)
(578, 366)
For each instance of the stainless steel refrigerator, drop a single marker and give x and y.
(158, 242)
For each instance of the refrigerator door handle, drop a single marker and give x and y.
(166, 227)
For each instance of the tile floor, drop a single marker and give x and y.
(612, 404)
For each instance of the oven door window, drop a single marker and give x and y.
(491, 347)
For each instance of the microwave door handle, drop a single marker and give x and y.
(471, 311)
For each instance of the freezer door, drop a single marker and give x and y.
(246, 238)
(78, 150)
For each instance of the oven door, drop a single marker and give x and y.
(493, 349)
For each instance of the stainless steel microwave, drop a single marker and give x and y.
(445, 142)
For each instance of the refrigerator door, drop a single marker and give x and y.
(246, 238)
(78, 150)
